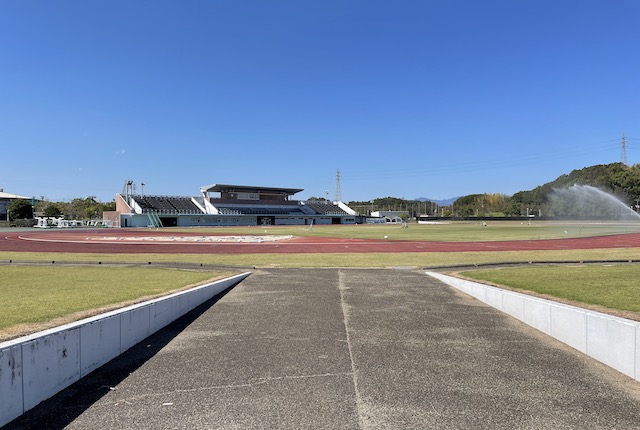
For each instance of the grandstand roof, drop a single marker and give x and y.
(4, 195)
(247, 189)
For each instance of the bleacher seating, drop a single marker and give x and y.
(325, 208)
(185, 205)
(227, 205)
(167, 205)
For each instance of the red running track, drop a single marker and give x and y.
(97, 241)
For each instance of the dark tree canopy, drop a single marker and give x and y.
(20, 209)
(78, 208)
(52, 210)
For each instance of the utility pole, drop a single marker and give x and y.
(623, 150)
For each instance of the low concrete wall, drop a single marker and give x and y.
(36, 367)
(608, 339)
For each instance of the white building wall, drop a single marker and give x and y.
(290, 221)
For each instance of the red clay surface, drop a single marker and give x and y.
(97, 241)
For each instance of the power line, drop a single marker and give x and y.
(479, 165)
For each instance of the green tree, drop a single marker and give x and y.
(79, 208)
(108, 206)
(20, 209)
(52, 210)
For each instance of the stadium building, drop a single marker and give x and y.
(5, 201)
(226, 205)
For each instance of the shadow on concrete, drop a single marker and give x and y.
(62, 409)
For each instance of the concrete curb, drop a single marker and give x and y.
(36, 367)
(611, 340)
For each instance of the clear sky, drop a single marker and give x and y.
(413, 98)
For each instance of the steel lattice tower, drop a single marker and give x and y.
(338, 196)
(623, 150)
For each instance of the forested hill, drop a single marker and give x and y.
(616, 178)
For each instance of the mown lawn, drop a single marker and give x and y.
(414, 259)
(457, 231)
(614, 287)
(36, 297)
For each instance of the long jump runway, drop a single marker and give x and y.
(346, 349)
(122, 241)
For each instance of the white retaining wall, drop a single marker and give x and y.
(36, 367)
(611, 340)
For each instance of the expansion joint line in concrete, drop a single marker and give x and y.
(354, 370)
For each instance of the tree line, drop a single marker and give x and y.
(78, 208)
(618, 179)
(472, 205)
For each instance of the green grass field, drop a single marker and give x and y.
(412, 259)
(36, 297)
(458, 231)
(41, 296)
(612, 287)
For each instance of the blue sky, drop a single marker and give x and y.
(406, 98)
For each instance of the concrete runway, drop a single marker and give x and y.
(345, 349)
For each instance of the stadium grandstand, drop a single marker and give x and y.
(226, 205)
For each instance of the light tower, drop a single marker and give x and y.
(128, 189)
(623, 150)
(338, 192)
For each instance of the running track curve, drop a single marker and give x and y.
(123, 241)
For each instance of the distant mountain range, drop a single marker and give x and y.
(440, 202)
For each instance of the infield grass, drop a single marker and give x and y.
(38, 297)
(457, 231)
(610, 287)
(365, 260)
